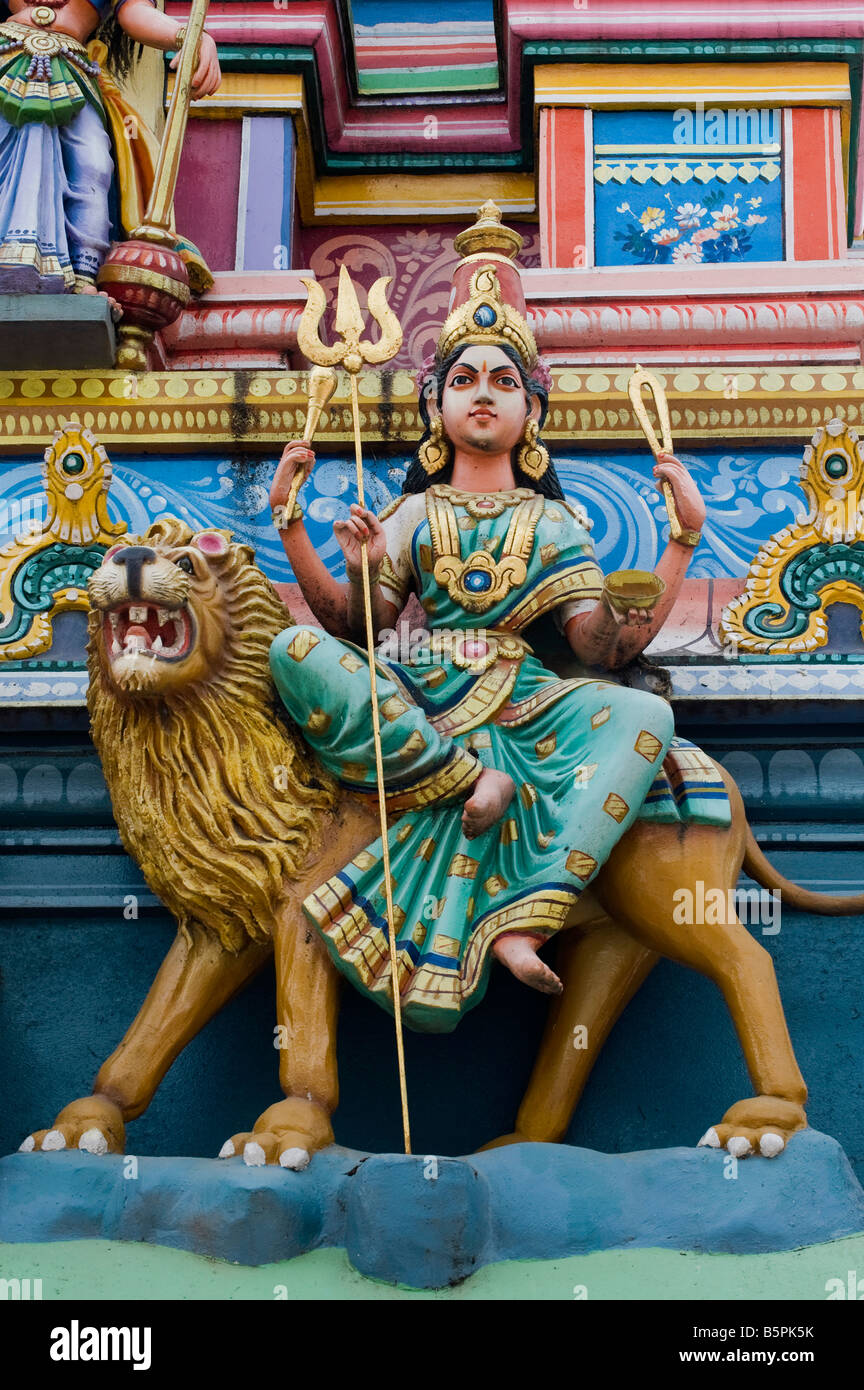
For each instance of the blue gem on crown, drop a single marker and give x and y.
(484, 316)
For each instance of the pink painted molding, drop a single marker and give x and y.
(245, 321)
(699, 282)
(731, 313)
(801, 314)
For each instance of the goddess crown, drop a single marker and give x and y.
(484, 314)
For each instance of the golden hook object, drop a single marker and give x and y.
(639, 379)
(351, 352)
(320, 386)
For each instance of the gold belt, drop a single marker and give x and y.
(477, 650)
(40, 41)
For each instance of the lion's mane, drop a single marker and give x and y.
(214, 793)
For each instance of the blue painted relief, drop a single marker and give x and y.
(749, 494)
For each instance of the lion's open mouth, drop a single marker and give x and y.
(144, 629)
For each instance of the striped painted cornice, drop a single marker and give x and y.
(415, 130)
(256, 34)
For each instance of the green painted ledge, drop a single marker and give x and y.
(103, 1269)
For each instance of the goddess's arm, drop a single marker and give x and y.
(599, 638)
(338, 607)
(142, 21)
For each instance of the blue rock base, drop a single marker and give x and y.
(429, 1222)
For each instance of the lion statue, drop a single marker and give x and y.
(234, 823)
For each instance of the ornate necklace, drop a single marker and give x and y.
(44, 15)
(479, 582)
(483, 504)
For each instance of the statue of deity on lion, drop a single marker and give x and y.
(525, 802)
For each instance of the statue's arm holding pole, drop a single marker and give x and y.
(144, 23)
(338, 607)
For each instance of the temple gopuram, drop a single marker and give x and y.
(605, 194)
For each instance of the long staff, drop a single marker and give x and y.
(352, 352)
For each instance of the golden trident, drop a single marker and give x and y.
(352, 352)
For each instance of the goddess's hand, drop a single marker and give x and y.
(688, 502)
(208, 74)
(296, 457)
(634, 619)
(361, 525)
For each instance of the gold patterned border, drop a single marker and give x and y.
(188, 410)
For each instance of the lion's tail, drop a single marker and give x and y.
(794, 896)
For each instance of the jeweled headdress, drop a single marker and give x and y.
(487, 291)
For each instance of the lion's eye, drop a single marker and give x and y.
(184, 563)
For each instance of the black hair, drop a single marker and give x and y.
(123, 51)
(417, 479)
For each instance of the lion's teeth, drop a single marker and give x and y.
(114, 619)
(165, 615)
(137, 614)
(116, 649)
(156, 644)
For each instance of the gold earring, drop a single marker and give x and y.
(434, 452)
(533, 457)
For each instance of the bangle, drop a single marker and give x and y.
(281, 520)
(689, 538)
(180, 37)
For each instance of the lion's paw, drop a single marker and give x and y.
(93, 1125)
(762, 1125)
(289, 1133)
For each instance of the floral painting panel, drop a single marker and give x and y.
(689, 187)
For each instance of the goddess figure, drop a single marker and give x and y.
(60, 117)
(507, 785)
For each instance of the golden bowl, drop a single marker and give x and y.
(626, 589)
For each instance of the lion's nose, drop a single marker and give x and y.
(133, 557)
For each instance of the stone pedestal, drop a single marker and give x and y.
(55, 332)
(431, 1222)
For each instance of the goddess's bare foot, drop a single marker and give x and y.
(492, 794)
(518, 951)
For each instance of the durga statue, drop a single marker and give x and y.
(508, 785)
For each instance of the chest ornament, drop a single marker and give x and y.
(478, 582)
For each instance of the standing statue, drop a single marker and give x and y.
(65, 130)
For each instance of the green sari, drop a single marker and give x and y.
(586, 755)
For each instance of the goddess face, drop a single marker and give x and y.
(483, 406)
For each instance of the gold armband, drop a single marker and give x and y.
(691, 538)
(180, 37)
